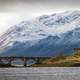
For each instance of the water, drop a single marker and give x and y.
(40, 73)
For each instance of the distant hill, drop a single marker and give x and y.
(47, 35)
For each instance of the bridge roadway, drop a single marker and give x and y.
(40, 73)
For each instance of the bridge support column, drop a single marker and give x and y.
(9, 61)
(25, 64)
(1, 61)
(37, 60)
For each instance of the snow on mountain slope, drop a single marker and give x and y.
(43, 35)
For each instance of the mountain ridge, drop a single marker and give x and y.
(47, 35)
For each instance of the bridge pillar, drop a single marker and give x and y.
(37, 60)
(9, 61)
(1, 60)
(25, 64)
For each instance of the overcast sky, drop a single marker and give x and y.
(14, 11)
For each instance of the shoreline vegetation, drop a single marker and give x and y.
(60, 61)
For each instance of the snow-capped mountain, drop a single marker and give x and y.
(46, 35)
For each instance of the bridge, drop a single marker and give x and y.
(23, 59)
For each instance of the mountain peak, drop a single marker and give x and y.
(54, 30)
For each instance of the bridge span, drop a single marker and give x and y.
(23, 59)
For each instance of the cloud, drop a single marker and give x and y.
(27, 8)
(37, 5)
